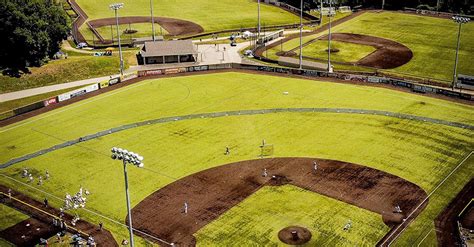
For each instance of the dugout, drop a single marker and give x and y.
(165, 52)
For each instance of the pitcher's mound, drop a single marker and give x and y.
(294, 235)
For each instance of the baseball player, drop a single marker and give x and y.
(185, 208)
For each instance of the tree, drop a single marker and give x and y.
(31, 31)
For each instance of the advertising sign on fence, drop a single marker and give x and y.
(103, 84)
(171, 71)
(153, 72)
(50, 101)
(78, 92)
(373, 79)
(360, 78)
(311, 73)
(198, 68)
(128, 76)
(114, 81)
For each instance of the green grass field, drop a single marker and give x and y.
(10, 217)
(432, 40)
(82, 66)
(254, 221)
(348, 52)
(211, 15)
(409, 149)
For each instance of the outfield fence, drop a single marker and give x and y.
(232, 113)
(414, 86)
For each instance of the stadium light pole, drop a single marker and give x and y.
(258, 17)
(459, 20)
(321, 14)
(152, 21)
(329, 37)
(127, 157)
(301, 34)
(115, 7)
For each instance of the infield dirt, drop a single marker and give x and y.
(388, 54)
(175, 27)
(212, 192)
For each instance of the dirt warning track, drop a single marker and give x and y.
(212, 192)
(175, 27)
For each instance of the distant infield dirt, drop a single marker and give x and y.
(388, 54)
(212, 192)
(173, 26)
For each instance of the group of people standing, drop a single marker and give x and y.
(29, 176)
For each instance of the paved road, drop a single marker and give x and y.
(237, 113)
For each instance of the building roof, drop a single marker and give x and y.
(168, 48)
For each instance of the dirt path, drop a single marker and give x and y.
(43, 214)
(212, 192)
(175, 27)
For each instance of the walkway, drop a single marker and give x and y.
(236, 113)
(46, 89)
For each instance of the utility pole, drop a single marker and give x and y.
(152, 20)
(127, 158)
(301, 34)
(115, 7)
(321, 14)
(258, 27)
(329, 37)
(460, 20)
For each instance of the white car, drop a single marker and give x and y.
(81, 45)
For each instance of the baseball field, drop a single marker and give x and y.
(414, 140)
(431, 40)
(203, 13)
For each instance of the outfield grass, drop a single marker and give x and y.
(432, 40)
(10, 217)
(348, 52)
(5, 243)
(82, 66)
(260, 217)
(211, 15)
(409, 149)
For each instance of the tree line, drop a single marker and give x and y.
(31, 31)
